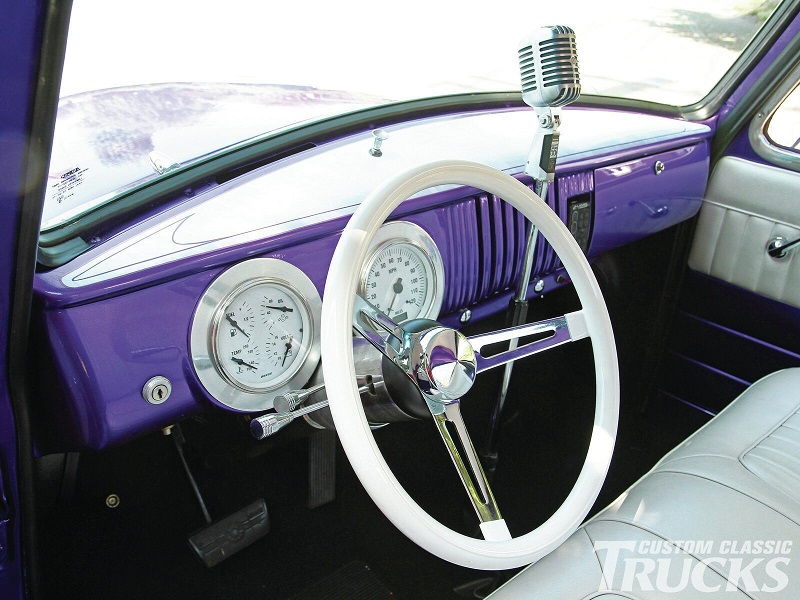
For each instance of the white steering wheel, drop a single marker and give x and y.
(443, 363)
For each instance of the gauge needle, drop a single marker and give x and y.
(235, 324)
(397, 288)
(281, 308)
(239, 361)
(288, 347)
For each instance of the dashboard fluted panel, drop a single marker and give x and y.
(461, 256)
(503, 231)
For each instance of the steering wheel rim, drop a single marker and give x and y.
(345, 403)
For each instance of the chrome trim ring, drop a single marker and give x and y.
(222, 388)
(405, 232)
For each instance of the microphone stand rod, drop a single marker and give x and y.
(541, 166)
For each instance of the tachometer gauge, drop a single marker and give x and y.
(256, 333)
(404, 275)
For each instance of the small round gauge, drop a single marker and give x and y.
(261, 337)
(404, 275)
(255, 333)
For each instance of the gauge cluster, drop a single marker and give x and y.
(255, 331)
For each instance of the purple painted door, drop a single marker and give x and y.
(20, 47)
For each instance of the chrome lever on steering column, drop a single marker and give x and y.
(271, 423)
(290, 400)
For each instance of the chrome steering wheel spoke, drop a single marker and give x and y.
(441, 364)
(564, 329)
(470, 471)
(377, 328)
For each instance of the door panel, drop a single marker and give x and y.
(739, 311)
(748, 204)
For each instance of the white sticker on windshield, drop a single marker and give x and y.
(66, 184)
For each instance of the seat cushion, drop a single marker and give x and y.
(701, 522)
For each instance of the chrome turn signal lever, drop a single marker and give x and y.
(288, 401)
(269, 424)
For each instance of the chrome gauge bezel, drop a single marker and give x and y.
(224, 389)
(405, 232)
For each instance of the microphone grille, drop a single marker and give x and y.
(527, 69)
(549, 59)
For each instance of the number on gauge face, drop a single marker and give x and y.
(400, 282)
(261, 337)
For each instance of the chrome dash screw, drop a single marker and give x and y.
(659, 167)
(538, 287)
(112, 501)
(378, 137)
(466, 316)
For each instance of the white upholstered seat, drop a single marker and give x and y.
(731, 486)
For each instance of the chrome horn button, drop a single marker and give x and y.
(444, 364)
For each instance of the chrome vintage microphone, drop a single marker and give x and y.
(548, 65)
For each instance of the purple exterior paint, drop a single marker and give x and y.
(631, 200)
(19, 61)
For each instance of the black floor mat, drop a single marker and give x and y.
(354, 581)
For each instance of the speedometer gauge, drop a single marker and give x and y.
(256, 333)
(404, 275)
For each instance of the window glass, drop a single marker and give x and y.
(151, 84)
(783, 128)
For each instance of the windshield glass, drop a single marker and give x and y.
(152, 84)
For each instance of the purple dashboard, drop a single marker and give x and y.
(122, 313)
